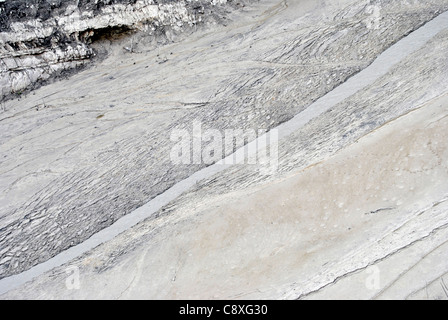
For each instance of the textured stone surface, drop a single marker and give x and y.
(40, 40)
(381, 202)
(83, 152)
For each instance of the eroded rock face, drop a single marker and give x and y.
(40, 39)
(81, 154)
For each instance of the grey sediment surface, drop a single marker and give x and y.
(382, 64)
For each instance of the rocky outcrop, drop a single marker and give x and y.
(369, 222)
(40, 39)
(81, 154)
